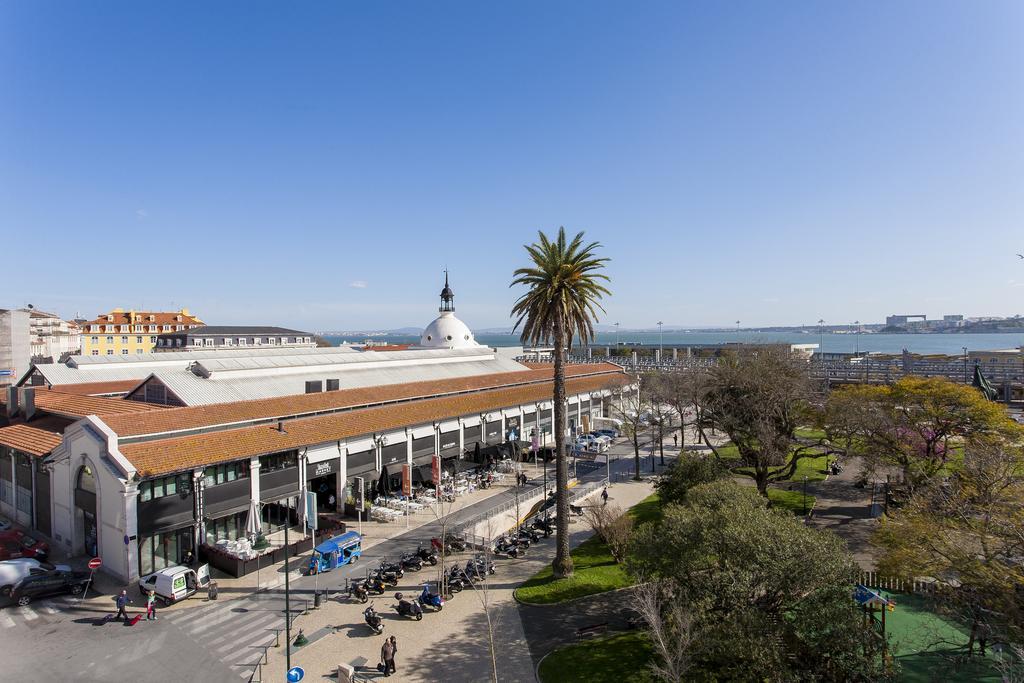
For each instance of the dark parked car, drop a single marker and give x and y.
(39, 585)
(14, 543)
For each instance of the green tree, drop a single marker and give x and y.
(916, 424)
(759, 399)
(564, 285)
(767, 597)
(967, 532)
(687, 472)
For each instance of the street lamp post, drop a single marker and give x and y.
(965, 365)
(661, 342)
(616, 335)
(821, 341)
(856, 336)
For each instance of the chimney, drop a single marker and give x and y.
(280, 426)
(12, 401)
(28, 402)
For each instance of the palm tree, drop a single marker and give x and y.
(562, 303)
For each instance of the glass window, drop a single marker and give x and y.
(138, 340)
(124, 340)
(110, 340)
(210, 477)
(95, 340)
(124, 352)
(152, 340)
(170, 486)
(145, 491)
(95, 352)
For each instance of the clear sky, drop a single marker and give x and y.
(317, 164)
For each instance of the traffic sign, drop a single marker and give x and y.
(295, 674)
(95, 563)
(126, 539)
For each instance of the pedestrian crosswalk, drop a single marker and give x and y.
(236, 631)
(36, 613)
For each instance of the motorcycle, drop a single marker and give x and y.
(385, 578)
(530, 534)
(431, 600)
(504, 546)
(373, 620)
(483, 564)
(545, 526)
(427, 555)
(474, 572)
(411, 562)
(358, 590)
(456, 582)
(390, 570)
(408, 608)
(374, 584)
(451, 543)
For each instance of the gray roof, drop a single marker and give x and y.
(224, 387)
(239, 330)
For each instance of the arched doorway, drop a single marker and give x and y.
(85, 502)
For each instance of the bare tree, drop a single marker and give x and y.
(669, 627)
(611, 525)
(635, 416)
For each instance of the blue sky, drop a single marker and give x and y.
(318, 164)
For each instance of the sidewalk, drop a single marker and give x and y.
(845, 510)
(452, 644)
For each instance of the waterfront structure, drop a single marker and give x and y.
(53, 338)
(15, 349)
(214, 337)
(139, 483)
(122, 332)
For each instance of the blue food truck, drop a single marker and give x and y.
(335, 552)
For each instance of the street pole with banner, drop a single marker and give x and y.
(407, 489)
(360, 502)
(311, 524)
(435, 474)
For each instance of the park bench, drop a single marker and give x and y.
(590, 631)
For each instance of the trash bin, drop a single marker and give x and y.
(317, 599)
(211, 591)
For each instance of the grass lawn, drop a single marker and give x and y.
(595, 570)
(922, 642)
(618, 658)
(790, 500)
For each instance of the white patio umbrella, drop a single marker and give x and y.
(253, 526)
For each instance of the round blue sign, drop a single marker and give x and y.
(295, 674)
(126, 539)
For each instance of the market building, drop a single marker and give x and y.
(139, 481)
(122, 332)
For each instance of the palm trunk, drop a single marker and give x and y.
(562, 566)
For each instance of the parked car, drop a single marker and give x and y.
(14, 543)
(590, 443)
(610, 433)
(49, 583)
(603, 438)
(173, 584)
(13, 571)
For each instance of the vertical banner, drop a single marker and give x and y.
(360, 487)
(435, 474)
(407, 480)
(311, 510)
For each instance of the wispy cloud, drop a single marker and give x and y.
(358, 284)
(141, 214)
(771, 300)
(1015, 283)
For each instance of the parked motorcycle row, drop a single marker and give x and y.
(458, 577)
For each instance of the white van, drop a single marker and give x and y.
(172, 584)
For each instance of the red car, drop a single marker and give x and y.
(14, 543)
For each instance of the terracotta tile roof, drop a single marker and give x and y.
(195, 417)
(121, 386)
(74, 405)
(142, 318)
(165, 456)
(29, 439)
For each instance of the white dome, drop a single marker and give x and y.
(447, 332)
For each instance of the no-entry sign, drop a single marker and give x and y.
(95, 563)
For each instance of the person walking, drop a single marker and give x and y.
(675, 440)
(387, 656)
(394, 653)
(151, 606)
(604, 496)
(122, 603)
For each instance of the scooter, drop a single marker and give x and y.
(385, 578)
(504, 546)
(474, 572)
(483, 564)
(533, 535)
(392, 567)
(432, 600)
(408, 608)
(456, 582)
(451, 543)
(427, 555)
(374, 584)
(373, 620)
(412, 562)
(357, 590)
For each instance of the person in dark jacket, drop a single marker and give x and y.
(394, 652)
(387, 656)
(122, 604)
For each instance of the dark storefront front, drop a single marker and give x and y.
(321, 479)
(422, 457)
(361, 464)
(493, 435)
(42, 498)
(449, 444)
(512, 430)
(227, 498)
(471, 437)
(545, 421)
(279, 490)
(166, 516)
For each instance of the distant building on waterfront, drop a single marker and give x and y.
(122, 333)
(52, 337)
(921, 322)
(215, 337)
(15, 350)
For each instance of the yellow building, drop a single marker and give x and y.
(123, 333)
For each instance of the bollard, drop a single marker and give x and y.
(317, 598)
(211, 592)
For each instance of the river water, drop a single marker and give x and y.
(950, 344)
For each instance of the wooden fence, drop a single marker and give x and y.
(873, 579)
